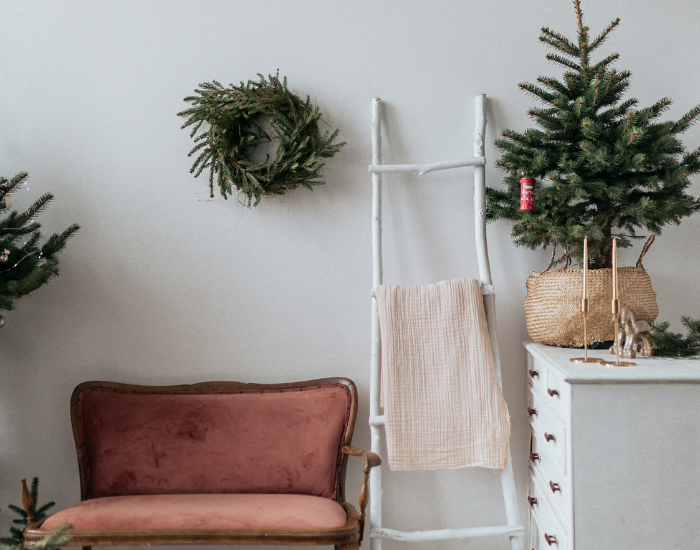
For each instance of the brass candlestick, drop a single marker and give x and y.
(584, 310)
(616, 314)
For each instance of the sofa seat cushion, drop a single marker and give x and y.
(201, 511)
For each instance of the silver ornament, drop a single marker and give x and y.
(2, 321)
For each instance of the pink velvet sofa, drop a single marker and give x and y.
(213, 463)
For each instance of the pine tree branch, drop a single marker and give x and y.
(603, 35)
(563, 61)
(559, 42)
(538, 92)
(687, 120)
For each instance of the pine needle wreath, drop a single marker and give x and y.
(234, 117)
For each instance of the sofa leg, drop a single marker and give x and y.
(87, 547)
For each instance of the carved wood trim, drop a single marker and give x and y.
(371, 460)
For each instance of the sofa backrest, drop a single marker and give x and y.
(216, 437)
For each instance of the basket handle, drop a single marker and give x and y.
(645, 249)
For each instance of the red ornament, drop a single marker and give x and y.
(527, 194)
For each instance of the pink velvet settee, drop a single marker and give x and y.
(212, 463)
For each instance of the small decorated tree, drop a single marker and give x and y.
(25, 263)
(601, 167)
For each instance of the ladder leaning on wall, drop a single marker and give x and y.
(377, 531)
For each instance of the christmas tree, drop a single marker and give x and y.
(602, 167)
(25, 264)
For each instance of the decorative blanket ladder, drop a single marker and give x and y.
(377, 532)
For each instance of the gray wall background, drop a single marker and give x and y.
(163, 285)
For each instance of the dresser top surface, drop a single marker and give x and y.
(647, 370)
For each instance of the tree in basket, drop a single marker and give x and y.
(25, 263)
(600, 167)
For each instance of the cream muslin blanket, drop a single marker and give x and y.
(443, 407)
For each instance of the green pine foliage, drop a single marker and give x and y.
(40, 512)
(672, 344)
(603, 167)
(230, 125)
(53, 540)
(29, 264)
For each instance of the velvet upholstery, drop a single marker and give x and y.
(257, 441)
(201, 512)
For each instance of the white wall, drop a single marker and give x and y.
(163, 285)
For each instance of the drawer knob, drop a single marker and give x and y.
(552, 392)
(549, 437)
(551, 539)
(532, 500)
(534, 373)
(534, 456)
(554, 487)
(532, 412)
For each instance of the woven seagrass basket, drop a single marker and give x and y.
(553, 303)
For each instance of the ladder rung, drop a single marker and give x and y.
(376, 420)
(425, 168)
(486, 290)
(445, 534)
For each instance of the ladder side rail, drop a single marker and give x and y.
(507, 477)
(375, 482)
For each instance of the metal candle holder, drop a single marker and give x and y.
(616, 314)
(584, 310)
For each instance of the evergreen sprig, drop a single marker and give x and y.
(40, 512)
(29, 264)
(602, 166)
(233, 129)
(53, 540)
(672, 344)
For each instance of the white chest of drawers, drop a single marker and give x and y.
(615, 453)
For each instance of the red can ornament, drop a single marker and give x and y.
(527, 194)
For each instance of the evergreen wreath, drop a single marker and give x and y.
(234, 116)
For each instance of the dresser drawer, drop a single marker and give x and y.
(550, 383)
(548, 428)
(536, 374)
(549, 532)
(556, 485)
(558, 392)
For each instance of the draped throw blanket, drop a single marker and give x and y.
(443, 407)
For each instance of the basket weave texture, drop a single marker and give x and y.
(553, 303)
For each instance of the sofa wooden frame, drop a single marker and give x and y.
(348, 537)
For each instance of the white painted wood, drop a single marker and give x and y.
(375, 482)
(633, 443)
(480, 194)
(447, 534)
(376, 420)
(486, 290)
(513, 530)
(423, 169)
(661, 370)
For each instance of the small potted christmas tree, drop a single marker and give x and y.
(25, 263)
(600, 167)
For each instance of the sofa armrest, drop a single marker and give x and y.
(371, 460)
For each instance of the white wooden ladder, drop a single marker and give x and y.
(377, 531)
